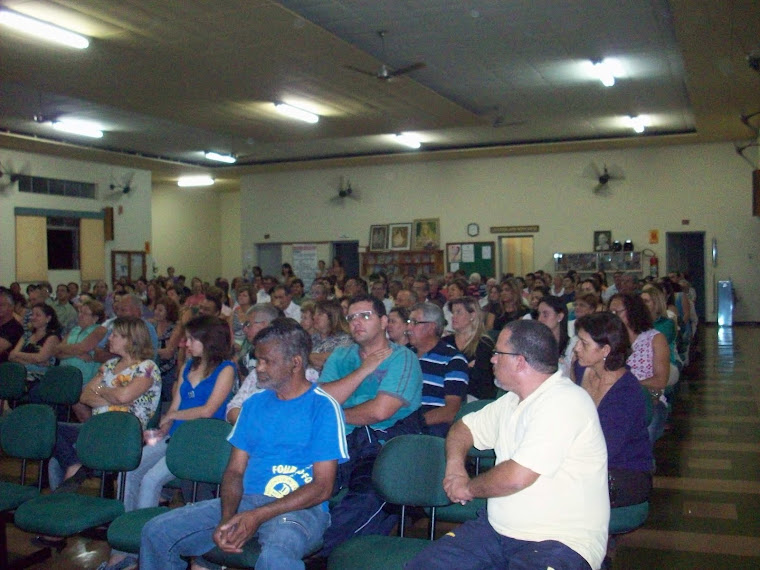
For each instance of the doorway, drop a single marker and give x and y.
(685, 252)
(516, 254)
(269, 256)
(348, 253)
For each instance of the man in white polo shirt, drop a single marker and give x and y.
(548, 504)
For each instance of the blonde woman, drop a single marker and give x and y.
(470, 339)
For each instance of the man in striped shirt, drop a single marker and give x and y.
(445, 373)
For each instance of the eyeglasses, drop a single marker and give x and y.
(415, 322)
(249, 324)
(499, 352)
(364, 315)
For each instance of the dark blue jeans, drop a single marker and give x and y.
(475, 544)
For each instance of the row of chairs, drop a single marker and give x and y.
(59, 386)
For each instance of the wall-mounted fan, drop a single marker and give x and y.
(603, 177)
(385, 73)
(119, 186)
(345, 191)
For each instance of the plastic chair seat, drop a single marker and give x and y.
(627, 519)
(124, 532)
(375, 553)
(13, 494)
(66, 514)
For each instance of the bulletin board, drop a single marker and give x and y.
(472, 257)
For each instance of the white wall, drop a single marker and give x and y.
(132, 226)
(187, 231)
(230, 220)
(706, 184)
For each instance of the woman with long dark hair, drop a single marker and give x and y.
(552, 312)
(36, 349)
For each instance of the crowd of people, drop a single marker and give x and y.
(377, 358)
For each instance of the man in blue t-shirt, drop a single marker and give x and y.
(379, 385)
(287, 443)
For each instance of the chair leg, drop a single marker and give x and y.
(22, 562)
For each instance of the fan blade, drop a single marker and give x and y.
(599, 187)
(616, 173)
(407, 69)
(591, 171)
(362, 71)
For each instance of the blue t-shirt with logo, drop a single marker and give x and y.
(284, 438)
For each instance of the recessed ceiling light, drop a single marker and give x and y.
(42, 30)
(76, 127)
(607, 70)
(226, 158)
(408, 140)
(639, 122)
(296, 113)
(196, 180)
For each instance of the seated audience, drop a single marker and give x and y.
(331, 332)
(78, 348)
(552, 312)
(308, 308)
(169, 332)
(650, 356)
(398, 325)
(67, 314)
(246, 296)
(36, 349)
(510, 307)
(10, 329)
(599, 368)
(444, 369)
(283, 300)
(471, 340)
(129, 382)
(202, 392)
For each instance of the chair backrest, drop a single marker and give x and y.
(199, 451)
(470, 407)
(12, 380)
(111, 441)
(409, 470)
(29, 432)
(61, 385)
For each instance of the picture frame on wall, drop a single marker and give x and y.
(603, 240)
(378, 237)
(400, 236)
(427, 233)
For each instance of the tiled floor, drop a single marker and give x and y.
(706, 502)
(705, 508)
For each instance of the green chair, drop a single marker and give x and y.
(408, 471)
(16, 442)
(61, 386)
(12, 383)
(198, 451)
(479, 455)
(110, 443)
(628, 519)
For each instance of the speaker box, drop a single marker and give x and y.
(108, 223)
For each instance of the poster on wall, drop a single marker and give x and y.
(305, 262)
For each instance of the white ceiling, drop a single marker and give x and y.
(169, 80)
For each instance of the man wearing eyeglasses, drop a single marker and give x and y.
(378, 383)
(548, 503)
(444, 369)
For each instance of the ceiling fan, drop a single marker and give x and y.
(386, 73)
(603, 177)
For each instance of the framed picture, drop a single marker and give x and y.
(603, 240)
(400, 236)
(378, 238)
(427, 234)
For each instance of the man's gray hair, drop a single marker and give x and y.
(134, 300)
(290, 337)
(536, 343)
(432, 313)
(267, 310)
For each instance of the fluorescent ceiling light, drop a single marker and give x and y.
(82, 128)
(198, 180)
(296, 113)
(227, 158)
(42, 30)
(639, 123)
(607, 70)
(407, 140)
